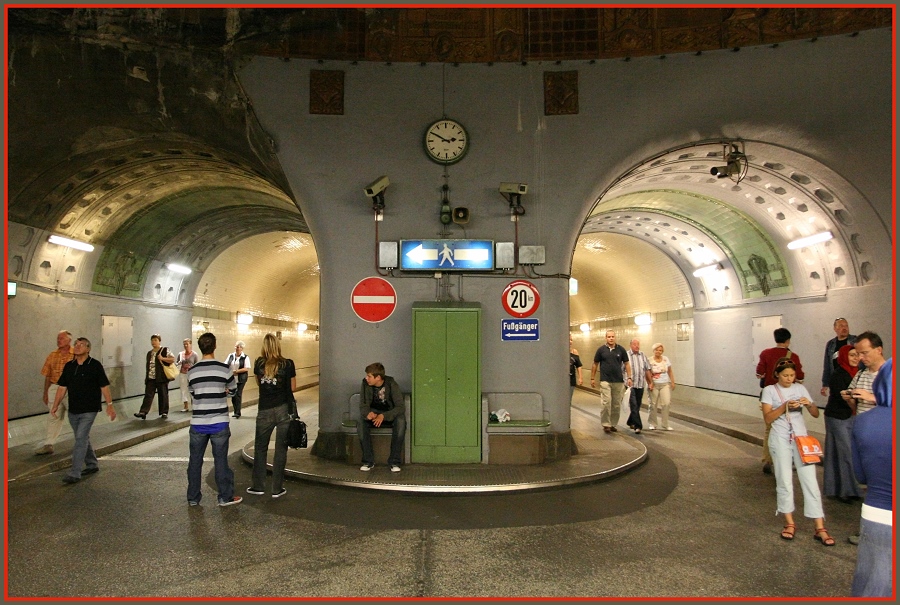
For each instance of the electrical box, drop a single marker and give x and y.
(531, 255)
(387, 255)
(505, 255)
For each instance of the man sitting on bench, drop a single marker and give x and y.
(381, 404)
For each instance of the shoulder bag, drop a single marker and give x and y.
(809, 447)
(169, 369)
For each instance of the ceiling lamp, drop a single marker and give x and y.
(244, 319)
(803, 242)
(302, 327)
(707, 270)
(585, 328)
(643, 319)
(736, 164)
(178, 268)
(71, 243)
(573, 286)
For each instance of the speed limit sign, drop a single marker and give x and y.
(521, 298)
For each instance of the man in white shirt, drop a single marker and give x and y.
(240, 367)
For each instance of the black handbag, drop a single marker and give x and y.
(296, 434)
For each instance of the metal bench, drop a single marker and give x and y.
(523, 438)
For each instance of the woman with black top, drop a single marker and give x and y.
(277, 380)
(840, 480)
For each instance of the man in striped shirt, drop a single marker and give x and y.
(210, 382)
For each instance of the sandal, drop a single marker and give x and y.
(826, 539)
(788, 532)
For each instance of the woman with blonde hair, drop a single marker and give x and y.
(277, 380)
(661, 388)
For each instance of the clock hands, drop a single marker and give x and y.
(443, 139)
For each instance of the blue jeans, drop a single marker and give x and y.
(398, 434)
(634, 403)
(873, 576)
(277, 419)
(224, 474)
(83, 454)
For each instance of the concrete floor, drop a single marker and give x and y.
(696, 520)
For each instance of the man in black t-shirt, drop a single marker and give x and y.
(610, 359)
(84, 379)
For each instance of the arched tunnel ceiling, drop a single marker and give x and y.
(256, 274)
(673, 203)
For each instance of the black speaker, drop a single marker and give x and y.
(460, 215)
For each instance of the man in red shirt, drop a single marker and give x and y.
(765, 371)
(52, 370)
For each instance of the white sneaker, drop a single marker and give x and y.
(650, 427)
(395, 468)
(668, 428)
(366, 467)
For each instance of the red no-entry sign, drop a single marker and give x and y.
(373, 299)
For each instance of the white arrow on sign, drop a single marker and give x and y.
(474, 254)
(517, 335)
(420, 254)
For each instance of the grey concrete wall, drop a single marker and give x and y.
(830, 100)
(37, 314)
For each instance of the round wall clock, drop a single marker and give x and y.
(446, 141)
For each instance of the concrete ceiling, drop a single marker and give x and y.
(186, 175)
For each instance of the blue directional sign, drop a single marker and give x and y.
(447, 254)
(520, 329)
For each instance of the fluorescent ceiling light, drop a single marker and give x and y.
(707, 270)
(178, 268)
(573, 286)
(11, 288)
(71, 243)
(643, 319)
(245, 319)
(809, 241)
(585, 328)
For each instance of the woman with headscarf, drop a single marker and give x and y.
(872, 443)
(840, 481)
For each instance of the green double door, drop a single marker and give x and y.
(445, 417)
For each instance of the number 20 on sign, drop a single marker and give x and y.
(521, 298)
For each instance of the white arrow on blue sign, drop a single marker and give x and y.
(446, 255)
(520, 329)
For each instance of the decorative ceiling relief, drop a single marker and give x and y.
(560, 93)
(326, 92)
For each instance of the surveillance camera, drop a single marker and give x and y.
(519, 188)
(719, 171)
(379, 185)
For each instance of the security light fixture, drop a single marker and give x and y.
(71, 243)
(803, 242)
(736, 164)
(707, 270)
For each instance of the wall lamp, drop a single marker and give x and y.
(376, 192)
(71, 243)
(803, 242)
(302, 327)
(736, 164)
(585, 328)
(708, 270)
(573, 286)
(512, 193)
(643, 319)
(178, 268)
(244, 319)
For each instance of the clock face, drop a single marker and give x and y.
(446, 141)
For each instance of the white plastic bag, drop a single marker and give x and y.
(626, 397)
(502, 415)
